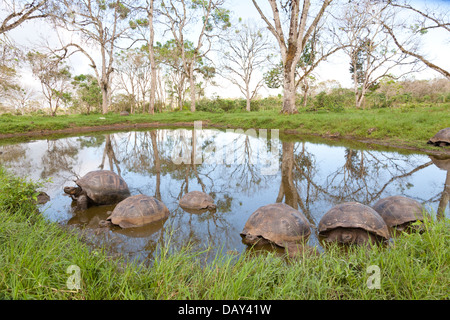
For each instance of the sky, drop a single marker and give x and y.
(436, 47)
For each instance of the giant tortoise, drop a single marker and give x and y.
(197, 200)
(137, 211)
(276, 223)
(98, 187)
(441, 139)
(352, 223)
(399, 212)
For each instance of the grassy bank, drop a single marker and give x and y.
(35, 255)
(402, 127)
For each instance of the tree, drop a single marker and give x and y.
(315, 51)
(427, 19)
(14, 14)
(151, 52)
(21, 99)
(8, 66)
(170, 55)
(17, 12)
(100, 23)
(179, 16)
(54, 78)
(292, 45)
(372, 54)
(134, 75)
(143, 25)
(246, 50)
(88, 92)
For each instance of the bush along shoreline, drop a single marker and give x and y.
(40, 259)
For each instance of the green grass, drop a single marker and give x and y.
(402, 127)
(35, 255)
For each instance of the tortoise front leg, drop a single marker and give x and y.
(82, 202)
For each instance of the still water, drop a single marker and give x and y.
(242, 171)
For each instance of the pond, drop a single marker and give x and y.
(242, 170)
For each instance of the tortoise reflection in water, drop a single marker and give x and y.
(98, 188)
(399, 212)
(136, 211)
(276, 223)
(353, 223)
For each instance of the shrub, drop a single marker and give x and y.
(17, 192)
(331, 102)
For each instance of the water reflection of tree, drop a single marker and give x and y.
(364, 176)
(213, 223)
(149, 154)
(361, 176)
(294, 168)
(15, 156)
(108, 152)
(60, 158)
(443, 164)
(245, 174)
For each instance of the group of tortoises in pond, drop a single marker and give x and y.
(104, 187)
(280, 224)
(345, 223)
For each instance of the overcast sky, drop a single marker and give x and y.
(436, 48)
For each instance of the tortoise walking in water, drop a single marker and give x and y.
(137, 211)
(441, 139)
(353, 223)
(196, 200)
(276, 223)
(399, 212)
(98, 188)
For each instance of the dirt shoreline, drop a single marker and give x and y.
(206, 124)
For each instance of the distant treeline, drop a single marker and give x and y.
(328, 96)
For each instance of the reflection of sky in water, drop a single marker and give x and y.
(323, 176)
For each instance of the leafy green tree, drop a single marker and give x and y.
(308, 61)
(169, 54)
(179, 16)
(88, 95)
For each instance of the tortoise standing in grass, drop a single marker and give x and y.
(353, 223)
(196, 200)
(441, 139)
(399, 212)
(98, 188)
(276, 223)
(137, 211)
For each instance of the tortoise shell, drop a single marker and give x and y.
(397, 210)
(441, 138)
(104, 186)
(196, 200)
(277, 223)
(354, 215)
(137, 211)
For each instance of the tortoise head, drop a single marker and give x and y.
(73, 191)
(348, 236)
